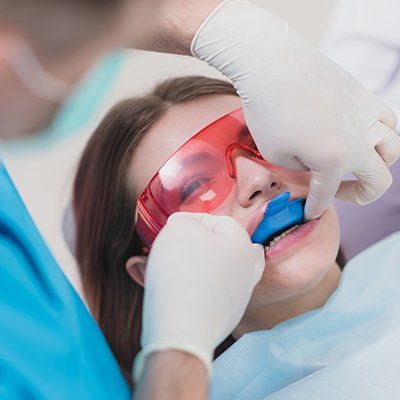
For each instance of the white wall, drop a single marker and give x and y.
(45, 180)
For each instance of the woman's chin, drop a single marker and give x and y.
(303, 271)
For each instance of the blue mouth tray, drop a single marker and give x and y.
(280, 214)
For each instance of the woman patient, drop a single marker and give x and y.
(129, 147)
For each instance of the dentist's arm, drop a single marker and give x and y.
(303, 110)
(173, 375)
(173, 25)
(200, 275)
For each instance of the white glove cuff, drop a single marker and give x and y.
(141, 358)
(246, 28)
(205, 22)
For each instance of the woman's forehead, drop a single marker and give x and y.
(176, 127)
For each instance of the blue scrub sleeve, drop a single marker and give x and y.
(50, 346)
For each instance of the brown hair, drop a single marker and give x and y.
(104, 209)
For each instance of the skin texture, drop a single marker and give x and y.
(302, 278)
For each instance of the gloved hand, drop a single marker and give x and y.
(303, 110)
(200, 275)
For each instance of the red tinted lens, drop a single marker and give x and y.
(196, 178)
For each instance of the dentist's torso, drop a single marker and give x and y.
(50, 346)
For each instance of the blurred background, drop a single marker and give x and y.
(44, 179)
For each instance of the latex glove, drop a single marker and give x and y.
(303, 110)
(200, 275)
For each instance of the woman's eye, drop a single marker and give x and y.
(192, 186)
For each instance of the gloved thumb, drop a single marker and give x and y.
(281, 158)
(323, 188)
(259, 261)
(214, 223)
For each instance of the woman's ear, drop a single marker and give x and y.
(136, 268)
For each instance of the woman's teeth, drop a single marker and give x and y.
(281, 236)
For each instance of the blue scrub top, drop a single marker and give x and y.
(50, 346)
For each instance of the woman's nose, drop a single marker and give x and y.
(255, 182)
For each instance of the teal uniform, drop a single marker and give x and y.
(50, 346)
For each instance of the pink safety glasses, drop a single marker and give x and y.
(197, 177)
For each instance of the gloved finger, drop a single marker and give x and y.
(323, 188)
(259, 262)
(284, 160)
(214, 223)
(387, 142)
(191, 219)
(372, 182)
(208, 221)
(230, 228)
(178, 216)
(388, 116)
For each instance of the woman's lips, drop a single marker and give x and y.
(292, 241)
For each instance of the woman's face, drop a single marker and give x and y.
(298, 262)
